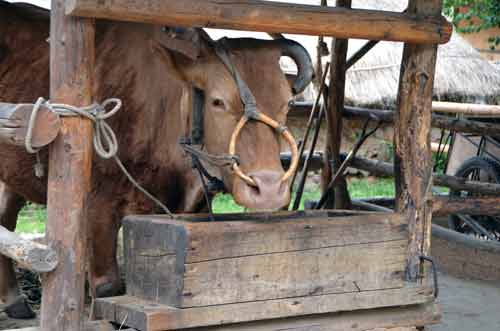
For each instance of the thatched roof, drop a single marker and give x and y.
(462, 75)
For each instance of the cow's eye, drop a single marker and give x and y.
(218, 103)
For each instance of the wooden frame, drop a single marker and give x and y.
(72, 58)
(273, 17)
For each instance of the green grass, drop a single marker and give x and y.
(358, 188)
(32, 217)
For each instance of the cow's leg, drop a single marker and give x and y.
(15, 305)
(104, 274)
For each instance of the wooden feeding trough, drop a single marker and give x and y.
(319, 271)
(190, 273)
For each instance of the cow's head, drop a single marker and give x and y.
(258, 181)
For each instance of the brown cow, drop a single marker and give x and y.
(136, 64)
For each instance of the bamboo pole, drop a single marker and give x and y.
(412, 137)
(273, 17)
(70, 158)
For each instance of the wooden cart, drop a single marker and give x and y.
(319, 271)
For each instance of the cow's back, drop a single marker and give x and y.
(148, 126)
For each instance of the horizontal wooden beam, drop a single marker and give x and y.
(271, 17)
(88, 326)
(438, 121)
(444, 205)
(14, 120)
(468, 109)
(393, 318)
(28, 254)
(144, 315)
(385, 169)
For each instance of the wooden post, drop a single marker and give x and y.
(413, 159)
(72, 65)
(340, 198)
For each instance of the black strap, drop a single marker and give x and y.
(197, 122)
(246, 96)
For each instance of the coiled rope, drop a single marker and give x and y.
(104, 138)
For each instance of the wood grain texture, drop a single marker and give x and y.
(14, 119)
(339, 199)
(390, 318)
(413, 157)
(386, 169)
(28, 254)
(72, 66)
(273, 17)
(89, 326)
(187, 264)
(437, 121)
(144, 315)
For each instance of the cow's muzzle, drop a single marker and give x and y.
(282, 130)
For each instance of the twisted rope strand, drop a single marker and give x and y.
(104, 138)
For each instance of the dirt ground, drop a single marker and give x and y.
(467, 306)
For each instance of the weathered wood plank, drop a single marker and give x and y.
(312, 272)
(154, 317)
(186, 264)
(273, 17)
(88, 326)
(391, 318)
(14, 119)
(70, 163)
(413, 158)
(210, 241)
(28, 254)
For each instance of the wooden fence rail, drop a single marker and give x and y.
(272, 17)
(28, 254)
(14, 120)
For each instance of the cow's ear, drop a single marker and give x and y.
(180, 49)
(182, 42)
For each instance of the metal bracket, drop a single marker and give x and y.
(424, 258)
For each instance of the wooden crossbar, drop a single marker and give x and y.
(272, 17)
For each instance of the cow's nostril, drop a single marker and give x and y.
(255, 189)
(268, 193)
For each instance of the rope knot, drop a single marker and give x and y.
(104, 138)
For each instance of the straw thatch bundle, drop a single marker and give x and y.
(462, 75)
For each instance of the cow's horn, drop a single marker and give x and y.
(289, 48)
(299, 54)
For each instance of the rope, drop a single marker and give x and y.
(104, 138)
